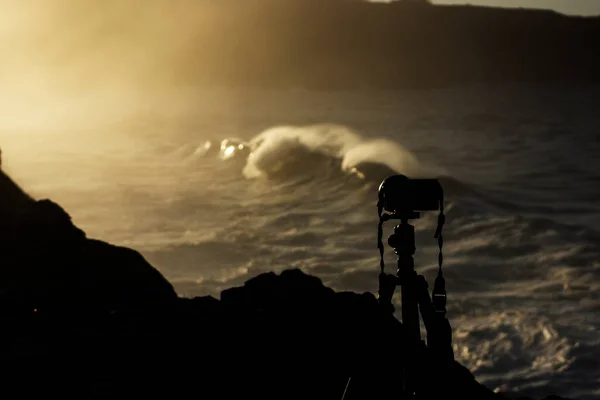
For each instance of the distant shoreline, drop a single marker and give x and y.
(466, 3)
(357, 45)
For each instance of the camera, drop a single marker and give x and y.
(399, 194)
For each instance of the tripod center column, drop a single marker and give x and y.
(403, 243)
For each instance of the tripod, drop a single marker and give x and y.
(415, 298)
(400, 196)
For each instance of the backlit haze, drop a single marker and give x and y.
(106, 105)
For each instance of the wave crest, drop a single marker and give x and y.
(298, 149)
(327, 151)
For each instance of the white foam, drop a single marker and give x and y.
(274, 145)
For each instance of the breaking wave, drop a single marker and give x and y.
(325, 151)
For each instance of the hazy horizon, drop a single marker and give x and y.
(569, 7)
(64, 62)
(572, 7)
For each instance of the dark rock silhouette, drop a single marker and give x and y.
(131, 279)
(47, 262)
(13, 200)
(278, 336)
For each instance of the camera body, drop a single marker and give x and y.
(399, 194)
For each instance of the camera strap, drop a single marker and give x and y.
(439, 287)
(387, 282)
(381, 218)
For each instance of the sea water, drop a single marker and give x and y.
(520, 167)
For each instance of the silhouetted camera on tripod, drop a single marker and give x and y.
(403, 198)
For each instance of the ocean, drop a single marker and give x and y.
(519, 166)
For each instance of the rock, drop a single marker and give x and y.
(112, 276)
(47, 262)
(13, 199)
(292, 290)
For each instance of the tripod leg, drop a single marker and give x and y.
(439, 333)
(425, 306)
(411, 324)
